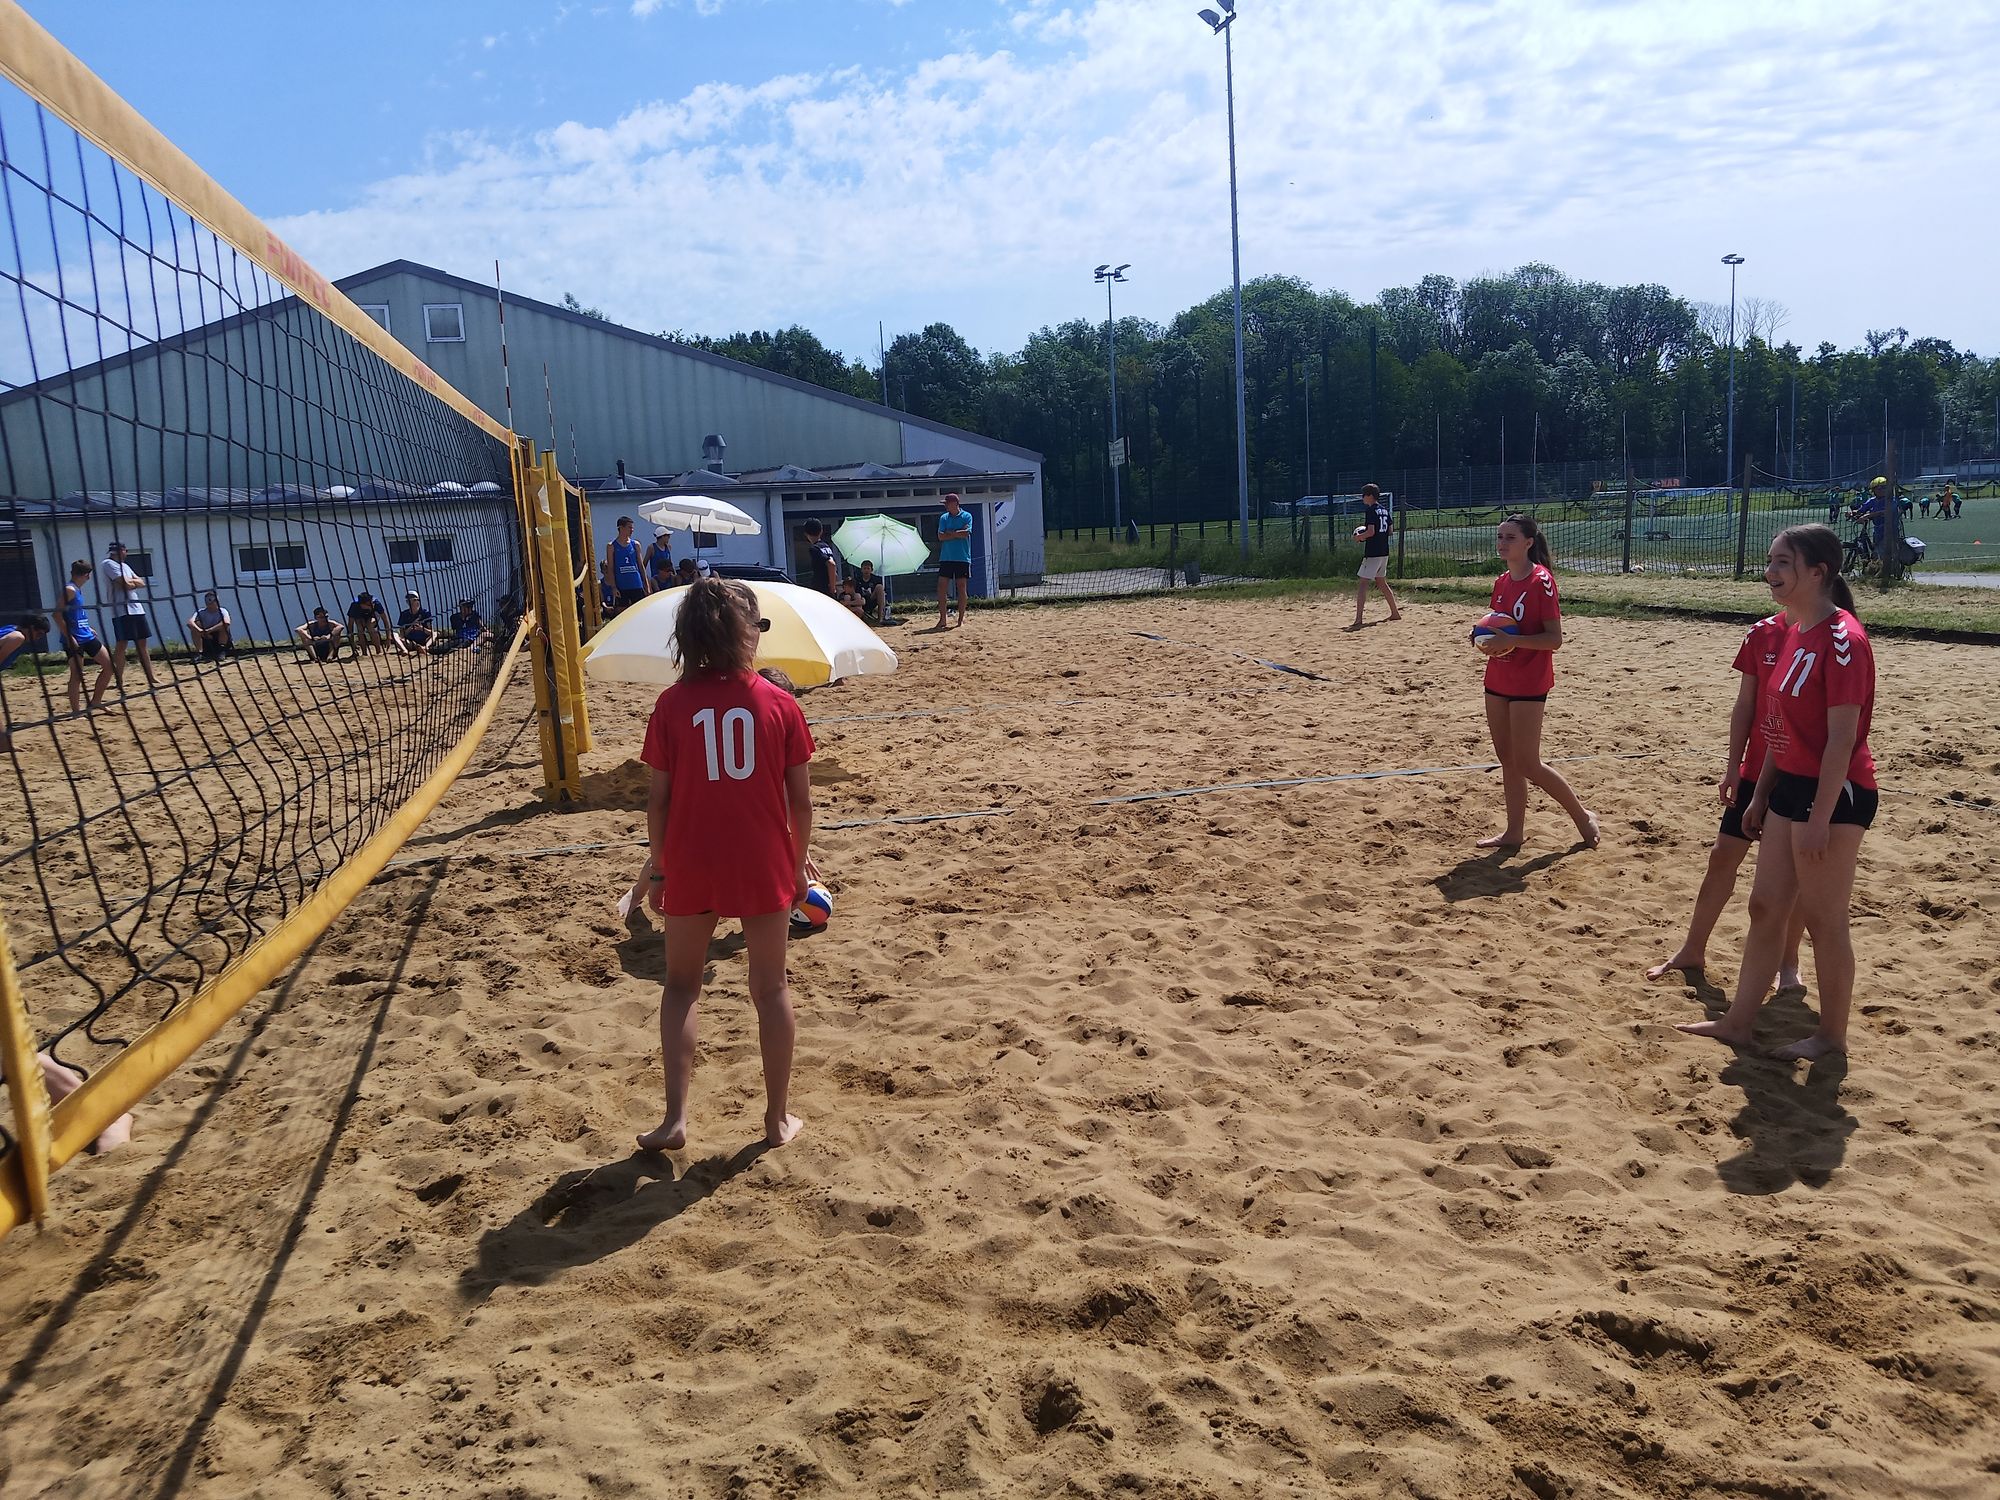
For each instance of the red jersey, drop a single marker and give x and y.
(1818, 669)
(1533, 603)
(726, 744)
(1755, 659)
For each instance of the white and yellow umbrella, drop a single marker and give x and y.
(813, 639)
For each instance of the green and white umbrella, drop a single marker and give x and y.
(893, 546)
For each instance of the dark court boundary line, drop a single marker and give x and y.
(1274, 666)
(973, 708)
(1280, 783)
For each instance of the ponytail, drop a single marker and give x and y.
(1538, 544)
(1819, 547)
(715, 630)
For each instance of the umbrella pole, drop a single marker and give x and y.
(888, 589)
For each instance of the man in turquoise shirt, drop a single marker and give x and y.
(954, 557)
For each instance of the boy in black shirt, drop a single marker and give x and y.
(1373, 534)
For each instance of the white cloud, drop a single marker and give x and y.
(1376, 143)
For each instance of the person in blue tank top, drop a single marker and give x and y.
(14, 639)
(622, 567)
(660, 562)
(80, 642)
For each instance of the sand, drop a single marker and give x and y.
(1263, 1142)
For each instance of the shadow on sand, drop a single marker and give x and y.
(593, 1212)
(1793, 1127)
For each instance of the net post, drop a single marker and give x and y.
(560, 645)
(1396, 519)
(549, 591)
(1631, 502)
(1892, 554)
(1743, 519)
(578, 712)
(593, 599)
(29, 1160)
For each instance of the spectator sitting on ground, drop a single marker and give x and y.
(466, 627)
(849, 595)
(208, 628)
(414, 632)
(873, 594)
(367, 622)
(321, 634)
(14, 639)
(685, 573)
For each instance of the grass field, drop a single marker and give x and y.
(1696, 535)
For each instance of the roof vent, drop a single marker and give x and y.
(712, 449)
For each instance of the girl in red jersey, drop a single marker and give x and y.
(1755, 659)
(1520, 670)
(1817, 786)
(728, 819)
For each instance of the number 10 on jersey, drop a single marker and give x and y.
(736, 751)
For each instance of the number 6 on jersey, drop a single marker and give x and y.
(737, 753)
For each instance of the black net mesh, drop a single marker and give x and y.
(224, 461)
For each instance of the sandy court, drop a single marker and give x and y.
(1260, 1142)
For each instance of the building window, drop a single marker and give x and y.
(379, 311)
(419, 551)
(444, 323)
(279, 560)
(139, 562)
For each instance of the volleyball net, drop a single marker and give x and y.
(260, 572)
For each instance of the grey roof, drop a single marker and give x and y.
(270, 497)
(483, 290)
(864, 471)
(783, 474)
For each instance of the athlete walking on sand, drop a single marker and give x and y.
(1520, 672)
(1373, 534)
(728, 819)
(1755, 659)
(1815, 794)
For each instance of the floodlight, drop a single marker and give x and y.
(1732, 260)
(1214, 21)
(1103, 268)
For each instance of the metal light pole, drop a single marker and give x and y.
(1729, 471)
(1221, 24)
(1107, 274)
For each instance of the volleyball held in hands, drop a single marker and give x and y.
(1494, 623)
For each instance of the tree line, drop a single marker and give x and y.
(1527, 368)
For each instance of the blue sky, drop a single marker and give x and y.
(716, 164)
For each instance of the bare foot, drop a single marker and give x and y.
(1809, 1049)
(1717, 1030)
(668, 1135)
(1790, 979)
(1354, 627)
(61, 1082)
(785, 1131)
(1507, 840)
(1589, 831)
(1395, 614)
(1679, 963)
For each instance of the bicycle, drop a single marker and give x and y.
(1860, 554)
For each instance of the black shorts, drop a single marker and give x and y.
(131, 628)
(1518, 697)
(1732, 820)
(323, 650)
(1792, 799)
(83, 651)
(629, 597)
(954, 570)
